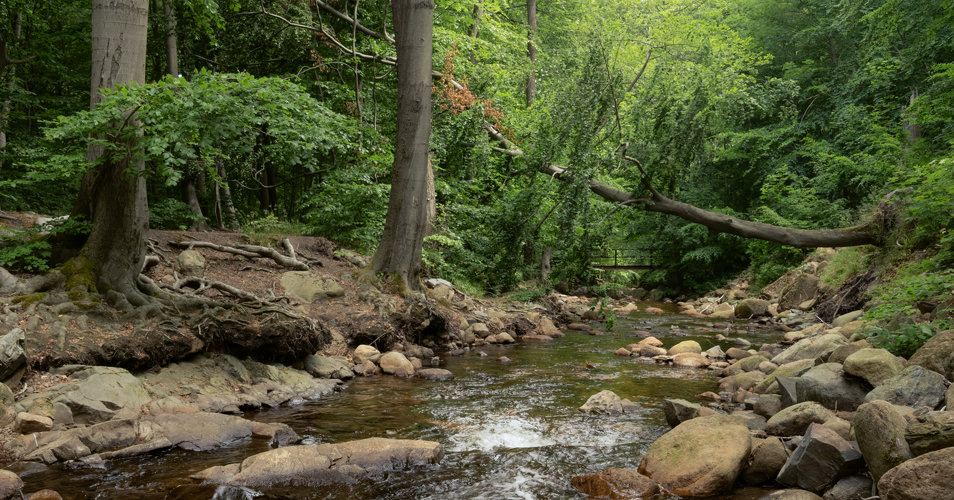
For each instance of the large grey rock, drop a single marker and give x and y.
(792, 369)
(196, 431)
(603, 402)
(615, 483)
(915, 386)
(819, 347)
(12, 355)
(323, 464)
(821, 458)
(879, 428)
(678, 411)
(937, 354)
(752, 308)
(854, 487)
(191, 263)
(794, 420)
(802, 289)
(931, 432)
(828, 385)
(700, 457)
(842, 353)
(308, 287)
(8, 282)
(767, 458)
(102, 393)
(790, 494)
(325, 367)
(929, 476)
(873, 365)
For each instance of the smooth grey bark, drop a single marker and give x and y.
(172, 42)
(411, 193)
(113, 193)
(532, 51)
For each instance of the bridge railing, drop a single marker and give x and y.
(624, 258)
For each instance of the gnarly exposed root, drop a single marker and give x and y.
(249, 251)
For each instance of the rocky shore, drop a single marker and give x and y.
(821, 413)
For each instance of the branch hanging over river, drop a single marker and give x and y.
(866, 234)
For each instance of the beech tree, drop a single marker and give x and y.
(113, 190)
(412, 185)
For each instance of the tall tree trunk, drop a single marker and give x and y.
(475, 27)
(532, 51)
(407, 218)
(113, 193)
(172, 51)
(11, 85)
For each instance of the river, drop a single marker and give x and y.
(510, 430)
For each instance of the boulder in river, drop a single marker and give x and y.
(325, 367)
(101, 393)
(820, 460)
(854, 487)
(311, 465)
(690, 360)
(794, 420)
(685, 346)
(678, 411)
(879, 428)
(873, 365)
(616, 484)
(915, 386)
(699, 457)
(827, 384)
(767, 458)
(603, 402)
(819, 347)
(928, 476)
(395, 363)
(365, 352)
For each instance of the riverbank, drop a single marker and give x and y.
(199, 385)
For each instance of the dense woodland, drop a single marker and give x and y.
(280, 116)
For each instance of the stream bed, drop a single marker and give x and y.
(510, 430)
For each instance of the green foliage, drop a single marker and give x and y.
(170, 213)
(846, 263)
(898, 325)
(29, 249)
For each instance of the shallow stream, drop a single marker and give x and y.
(509, 430)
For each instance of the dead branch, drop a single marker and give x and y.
(250, 251)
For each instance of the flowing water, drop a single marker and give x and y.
(509, 430)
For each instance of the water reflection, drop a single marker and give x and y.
(509, 430)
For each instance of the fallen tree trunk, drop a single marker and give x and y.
(870, 233)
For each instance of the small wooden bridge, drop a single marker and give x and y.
(625, 259)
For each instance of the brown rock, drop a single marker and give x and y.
(767, 458)
(616, 484)
(937, 354)
(929, 476)
(10, 484)
(699, 457)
